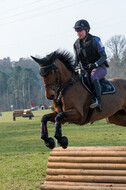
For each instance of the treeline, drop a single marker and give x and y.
(20, 85)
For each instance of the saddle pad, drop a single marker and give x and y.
(106, 86)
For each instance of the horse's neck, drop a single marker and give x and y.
(65, 74)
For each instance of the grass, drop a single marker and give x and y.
(23, 155)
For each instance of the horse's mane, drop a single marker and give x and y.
(64, 56)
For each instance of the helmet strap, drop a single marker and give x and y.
(87, 31)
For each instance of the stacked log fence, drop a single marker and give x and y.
(86, 168)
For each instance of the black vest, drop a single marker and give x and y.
(85, 51)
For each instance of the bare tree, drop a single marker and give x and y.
(116, 51)
(116, 46)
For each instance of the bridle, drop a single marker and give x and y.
(57, 83)
(61, 88)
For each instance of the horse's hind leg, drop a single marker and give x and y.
(119, 118)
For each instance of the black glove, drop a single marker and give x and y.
(91, 66)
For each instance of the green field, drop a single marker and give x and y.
(23, 155)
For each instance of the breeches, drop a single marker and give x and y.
(98, 73)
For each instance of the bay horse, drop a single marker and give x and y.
(71, 100)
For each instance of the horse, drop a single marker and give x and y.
(71, 99)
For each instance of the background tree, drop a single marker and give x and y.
(21, 85)
(116, 51)
(4, 101)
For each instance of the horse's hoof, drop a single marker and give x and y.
(50, 143)
(63, 142)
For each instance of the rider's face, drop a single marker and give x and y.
(81, 34)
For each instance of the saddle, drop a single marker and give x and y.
(106, 86)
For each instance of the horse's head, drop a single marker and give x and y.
(51, 68)
(48, 72)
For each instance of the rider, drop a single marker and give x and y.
(90, 52)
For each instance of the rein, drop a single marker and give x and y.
(66, 86)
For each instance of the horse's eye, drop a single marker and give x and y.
(51, 72)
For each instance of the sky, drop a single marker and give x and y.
(38, 27)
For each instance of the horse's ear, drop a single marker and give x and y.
(37, 60)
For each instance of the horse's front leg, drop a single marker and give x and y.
(62, 141)
(68, 116)
(49, 142)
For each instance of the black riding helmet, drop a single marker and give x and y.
(81, 25)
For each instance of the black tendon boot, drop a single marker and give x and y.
(96, 101)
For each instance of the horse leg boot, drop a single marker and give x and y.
(97, 92)
(62, 141)
(49, 142)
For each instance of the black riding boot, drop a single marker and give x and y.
(96, 101)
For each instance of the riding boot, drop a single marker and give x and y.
(96, 101)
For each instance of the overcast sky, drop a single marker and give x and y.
(38, 27)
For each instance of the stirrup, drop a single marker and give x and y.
(94, 104)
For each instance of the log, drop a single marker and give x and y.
(94, 148)
(87, 178)
(89, 153)
(101, 166)
(50, 171)
(67, 159)
(84, 184)
(59, 187)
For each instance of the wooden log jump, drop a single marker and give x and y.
(86, 168)
(22, 113)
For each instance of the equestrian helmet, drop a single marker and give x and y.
(81, 25)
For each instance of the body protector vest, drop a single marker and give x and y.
(88, 51)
